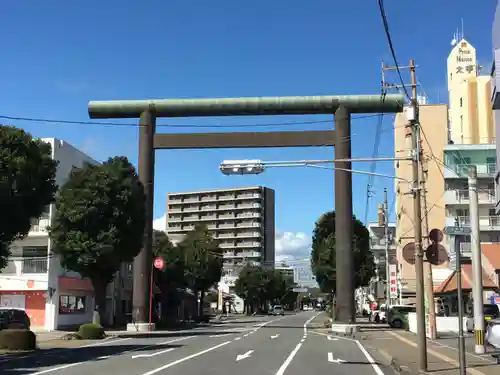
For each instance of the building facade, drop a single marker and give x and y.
(495, 92)
(378, 245)
(434, 135)
(34, 279)
(242, 219)
(470, 115)
(457, 160)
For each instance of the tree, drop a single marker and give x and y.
(259, 286)
(202, 262)
(27, 184)
(323, 253)
(99, 222)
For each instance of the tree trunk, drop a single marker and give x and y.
(100, 287)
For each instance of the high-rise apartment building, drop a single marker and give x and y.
(470, 114)
(242, 219)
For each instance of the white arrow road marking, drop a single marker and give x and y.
(239, 357)
(331, 359)
(152, 354)
(330, 338)
(275, 336)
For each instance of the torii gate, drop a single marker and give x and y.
(341, 106)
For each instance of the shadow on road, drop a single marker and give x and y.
(28, 363)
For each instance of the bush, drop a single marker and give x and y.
(91, 331)
(17, 339)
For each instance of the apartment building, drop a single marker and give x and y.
(434, 135)
(470, 114)
(34, 279)
(457, 159)
(495, 93)
(378, 245)
(285, 270)
(242, 219)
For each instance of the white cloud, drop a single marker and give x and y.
(160, 223)
(292, 245)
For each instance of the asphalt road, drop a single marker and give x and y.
(263, 345)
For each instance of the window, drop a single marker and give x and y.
(461, 102)
(72, 304)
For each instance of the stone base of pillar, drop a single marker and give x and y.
(345, 329)
(140, 327)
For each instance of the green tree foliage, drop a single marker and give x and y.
(99, 222)
(27, 184)
(202, 262)
(323, 253)
(259, 286)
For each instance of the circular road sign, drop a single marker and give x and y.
(159, 263)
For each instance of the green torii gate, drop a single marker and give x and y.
(341, 106)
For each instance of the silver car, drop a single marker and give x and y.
(278, 310)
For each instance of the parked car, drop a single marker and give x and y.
(396, 315)
(14, 318)
(278, 310)
(490, 311)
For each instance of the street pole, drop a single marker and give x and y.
(461, 340)
(386, 235)
(413, 129)
(477, 268)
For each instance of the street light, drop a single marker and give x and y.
(232, 167)
(244, 167)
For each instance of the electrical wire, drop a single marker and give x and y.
(118, 124)
(391, 46)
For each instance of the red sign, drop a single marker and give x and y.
(159, 263)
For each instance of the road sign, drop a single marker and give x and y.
(457, 230)
(159, 263)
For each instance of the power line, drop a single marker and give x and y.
(391, 46)
(117, 124)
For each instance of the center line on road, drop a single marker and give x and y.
(171, 364)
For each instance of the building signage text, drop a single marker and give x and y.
(466, 60)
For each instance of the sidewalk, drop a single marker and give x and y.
(400, 348)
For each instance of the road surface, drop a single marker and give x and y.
(261, 345)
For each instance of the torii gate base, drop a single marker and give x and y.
(341, 106)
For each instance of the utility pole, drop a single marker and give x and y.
(461, 339)
(386, 235)
(477, 267)
(413, 129)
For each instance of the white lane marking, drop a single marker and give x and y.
(105, 342)
(237, 338)
(331, 359)
(275, 336)
(152, 354)
(330, 338)
(239, 357)
(223, 335)
(376, 368)
(104, 357)
(246, 335)
(57, 368)
(294, 352)
(171, 364)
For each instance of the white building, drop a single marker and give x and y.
(242, 219)
(34, 279)
(458, 158)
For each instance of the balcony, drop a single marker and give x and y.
(248, 196)
(462, 170)
(248, 244)
(486, 223)
(25, 266)
(459, 197)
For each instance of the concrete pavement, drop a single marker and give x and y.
(264, 345)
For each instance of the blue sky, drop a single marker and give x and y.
(57, 55)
